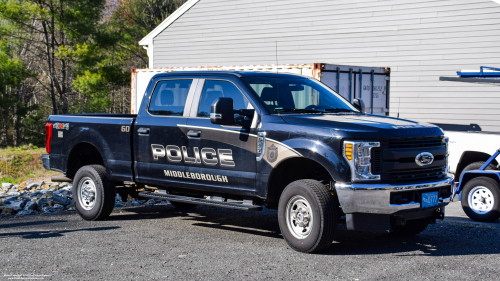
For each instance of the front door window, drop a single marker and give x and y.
(214, 89)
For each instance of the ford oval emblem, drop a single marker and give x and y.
(424, 159)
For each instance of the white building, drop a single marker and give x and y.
(420, 40)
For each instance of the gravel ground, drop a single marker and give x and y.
(161, 242)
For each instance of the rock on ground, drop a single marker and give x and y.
(29, 198)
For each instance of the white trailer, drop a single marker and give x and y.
(371, 84)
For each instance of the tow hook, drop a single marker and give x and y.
(438, 214)
(399, 221)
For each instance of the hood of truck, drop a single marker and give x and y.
(366, 126)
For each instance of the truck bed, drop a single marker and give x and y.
(108, 134)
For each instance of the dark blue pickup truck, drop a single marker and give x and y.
(243, 140)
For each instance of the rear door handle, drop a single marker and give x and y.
(194, 134)
(143, 131)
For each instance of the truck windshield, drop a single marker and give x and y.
(297, 95)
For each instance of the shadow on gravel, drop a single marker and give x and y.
(144, 213)
(50, 234)
(467, 220)
(33, 223)
(436, 240)
(263, 223)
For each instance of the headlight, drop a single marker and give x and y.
(358, 154)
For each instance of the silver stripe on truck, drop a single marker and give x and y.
(274, 151)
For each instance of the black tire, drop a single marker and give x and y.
(104, 199)
(412, 227)
(324, 216)
(180, 205)
(480, 186)
(476, 166)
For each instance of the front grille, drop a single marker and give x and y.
(377, 161)
(415, 143)
(394, 160)
(435, 173)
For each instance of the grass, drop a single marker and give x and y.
(18, 164)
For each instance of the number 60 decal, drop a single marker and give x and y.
(125, 129)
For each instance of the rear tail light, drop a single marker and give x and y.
(48, 136)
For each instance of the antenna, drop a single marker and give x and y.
(277, 75)
(399, 103)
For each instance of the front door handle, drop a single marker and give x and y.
(143, 131)
(194, 134)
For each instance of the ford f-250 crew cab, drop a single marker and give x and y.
(279, 140)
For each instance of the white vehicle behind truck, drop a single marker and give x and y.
(470, 149)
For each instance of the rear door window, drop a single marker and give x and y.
(169, 97)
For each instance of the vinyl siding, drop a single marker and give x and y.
(419, 40)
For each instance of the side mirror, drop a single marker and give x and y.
(359, 104)
(222, 111)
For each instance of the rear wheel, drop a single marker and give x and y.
(412, 227)
(307, 216)
(94, 196)
(481, 199)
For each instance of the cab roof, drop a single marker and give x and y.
(239, 74)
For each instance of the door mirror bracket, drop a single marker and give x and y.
(222, 112)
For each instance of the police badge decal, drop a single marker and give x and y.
(272, 153)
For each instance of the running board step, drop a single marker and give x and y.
(200, 201)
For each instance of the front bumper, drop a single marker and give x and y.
(46, 161)
(376, 198)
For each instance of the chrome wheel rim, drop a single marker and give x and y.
(481, 200)
(86, 193)
(299, 217)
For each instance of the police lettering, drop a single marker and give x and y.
(195, 176)
(209, 156)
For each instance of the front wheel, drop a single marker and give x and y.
(307, 216)
(481, 199)
(94, 196)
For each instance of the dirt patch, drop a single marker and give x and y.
(23, 164)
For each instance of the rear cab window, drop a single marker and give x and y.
(169, 97)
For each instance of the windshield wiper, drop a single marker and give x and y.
(298, 110)
(339, 109)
